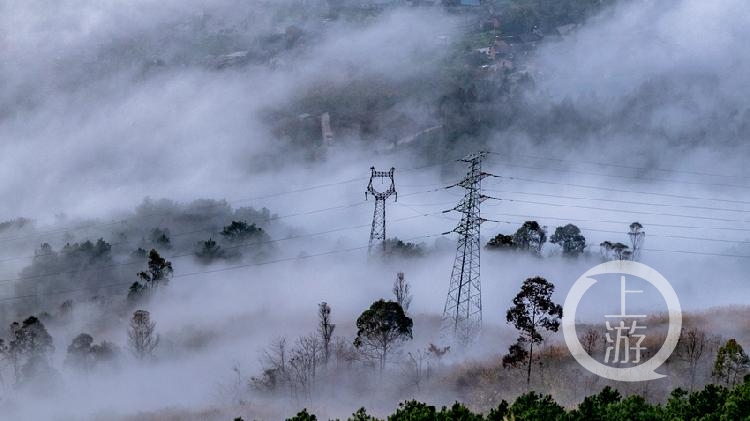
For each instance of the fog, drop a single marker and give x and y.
(107, 107)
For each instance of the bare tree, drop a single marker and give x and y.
(691, 347)
(402, 291)
(275, 368)
(234, 391)
(5, 359)
(142, 335)
(344, 352)
(325, 329)
(303, 361)
(418, 367)
(590, 339)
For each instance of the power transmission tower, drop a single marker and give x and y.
(377, 233)
(462, 316)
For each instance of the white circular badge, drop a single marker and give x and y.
(632, 373)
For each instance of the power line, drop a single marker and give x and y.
(224, 269)
(609, 164)
(682, 237)
(212, 228)
(610, 189)
(621, 222)
(628, 202)
(221, 203)
(191, 254)
(708, 218)
(628, 177)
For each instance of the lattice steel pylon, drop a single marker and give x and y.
(462, 316)
(377, 233)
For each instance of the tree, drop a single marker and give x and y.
(418, 367)
(158, 273)
(413, 410)
(240, 231)
(275, 368)
(362, 415)
(142, 335)
(437, 352)
(637, 236)
(531, 236)
(501, 242)
(303, 360)
(499, 413)
(396, 247)
(533, 312)
(159, 270)
(344, 352)
(590, 339)
(737, 406)
(615, 251)
(79, 351)
(534, 406)
(458, 412)
(691, 347)
(84, 354)
(594, 407)
(570, 239)
(160, 238)
(303, 416)
(325, 329)
(29, 348)
(208, 251)
(731, 363)
(139, 253)
(381, 327)
(633, 407)
(704, 404)
(401, 290)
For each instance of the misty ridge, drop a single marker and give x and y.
(185, 228)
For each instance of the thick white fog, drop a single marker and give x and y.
(105, 103)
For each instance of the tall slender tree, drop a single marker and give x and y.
(158, 273)
(637, 236)
(142, 334)
(532, 313)
(402, 291)
(325, 329)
